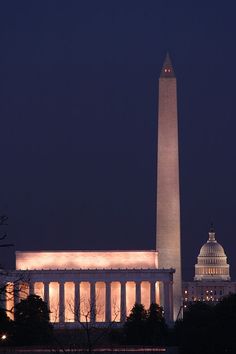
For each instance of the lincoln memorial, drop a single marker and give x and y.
(100, 286)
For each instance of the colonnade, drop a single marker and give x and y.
(100, 301)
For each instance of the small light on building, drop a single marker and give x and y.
(3, 337)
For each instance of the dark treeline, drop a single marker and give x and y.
(207, 328)
(31, 325)
(204, 329)
(145, 327)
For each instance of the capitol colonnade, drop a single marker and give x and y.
(95, 296)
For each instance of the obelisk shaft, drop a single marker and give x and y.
(168, 198)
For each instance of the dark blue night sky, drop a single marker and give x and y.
(78, 103)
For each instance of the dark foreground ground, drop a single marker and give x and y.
(110, 340)
(170, 350)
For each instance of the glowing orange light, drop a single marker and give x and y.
(130, 296)
(157, 291)
(115, 301)
(54, 301)
(85, 302)
(145, 294)
(86, 260)
(69, 288)
(10, 300)
(39, 289)
(100, 298)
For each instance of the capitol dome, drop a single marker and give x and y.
(212, 261)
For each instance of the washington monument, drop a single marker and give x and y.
(168, 200)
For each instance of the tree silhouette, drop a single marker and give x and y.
(88, 334)
(5, 323)
(32, 324)
(156, 327)
(196, 333)
(9, 283)
(225, 312)
(135, 325)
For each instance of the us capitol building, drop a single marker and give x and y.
(212, 276)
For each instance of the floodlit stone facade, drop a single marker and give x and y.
(55, 260)
(96, 295)
(212, 261)
(212, 277)
(168, 200)
(211, 290)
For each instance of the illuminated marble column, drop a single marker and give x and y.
(168, 197)
(61, 302)
(171, 301)
(123, 301)
(46, 292)
(9, 296)
(161, 293)
(77, 301)
(138, 292)
(108, 302)
(92, 302)
(157, 287)
(153, 292)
